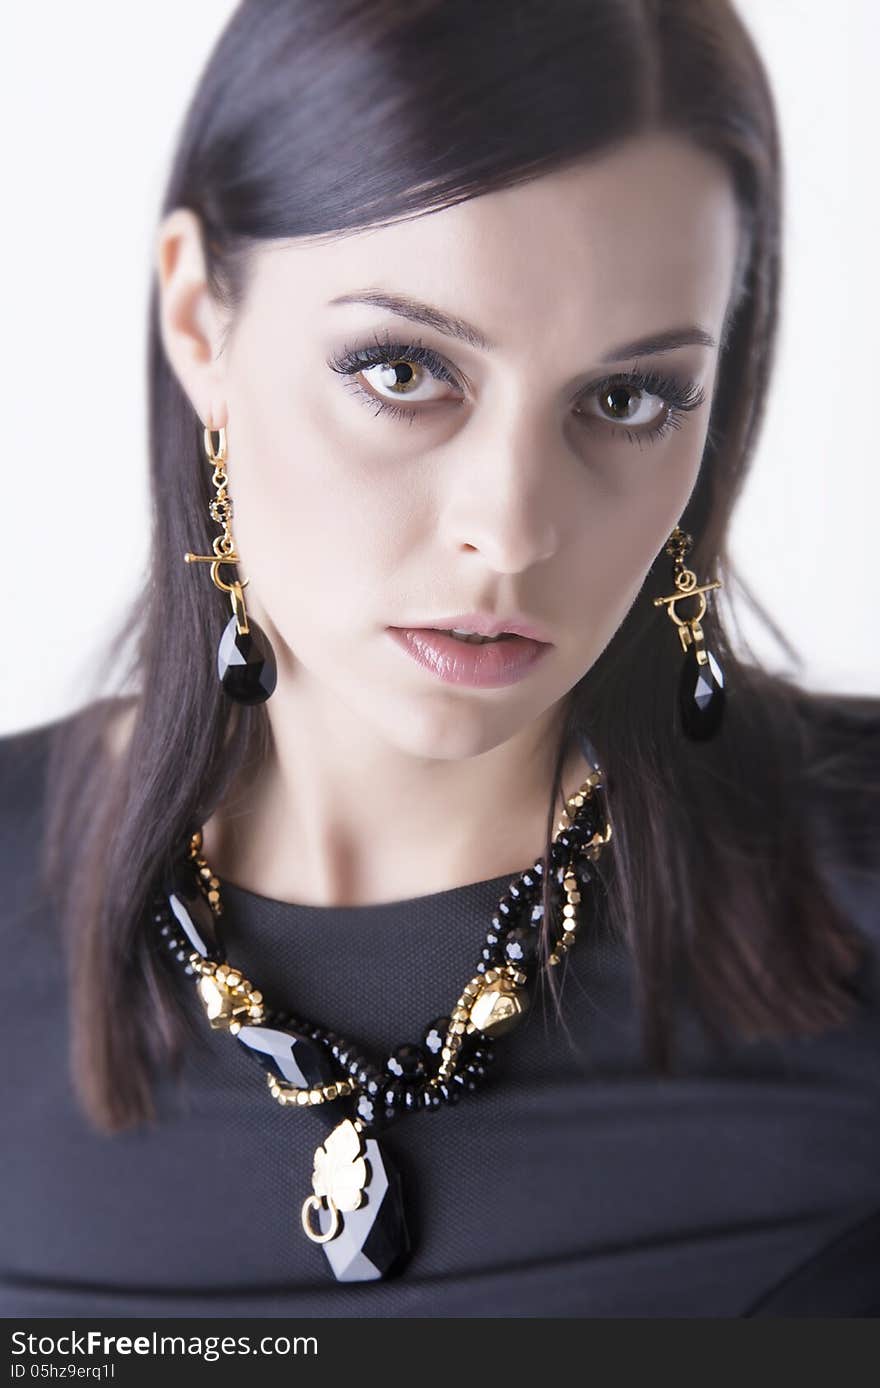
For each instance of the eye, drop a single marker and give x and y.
(642, 405)
(395, 372)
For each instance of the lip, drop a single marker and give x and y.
(458, 662)
(483, 624)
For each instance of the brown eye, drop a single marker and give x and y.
(624, 404)
(402, 378)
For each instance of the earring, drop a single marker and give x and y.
(245, 658)
(701, 682)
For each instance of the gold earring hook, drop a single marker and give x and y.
(223, 545)
(689, 628)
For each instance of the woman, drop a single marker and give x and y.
(565, 940)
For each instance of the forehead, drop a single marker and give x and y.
(644, 235)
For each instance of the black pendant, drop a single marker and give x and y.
(700, 695)
(359, 1205)
(289, 1056)
(193, 913)
(246, 663)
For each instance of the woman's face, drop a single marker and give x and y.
(533, 462)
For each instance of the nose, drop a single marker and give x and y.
(504, 507)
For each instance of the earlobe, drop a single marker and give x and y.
(188, 321)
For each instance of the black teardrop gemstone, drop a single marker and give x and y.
(193, 913)
(374, 1239)
(246, 663)
(700, 695)
(289, 1055)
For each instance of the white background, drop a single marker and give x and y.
(91, 96)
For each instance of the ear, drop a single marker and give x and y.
(190, 321)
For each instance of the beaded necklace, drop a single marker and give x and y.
(356, 1195)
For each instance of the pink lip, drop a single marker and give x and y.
(483, 624)
(458, 662)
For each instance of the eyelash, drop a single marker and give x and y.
(679, 395)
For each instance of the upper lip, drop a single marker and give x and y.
(485, 624)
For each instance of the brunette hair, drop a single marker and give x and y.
(325, 116)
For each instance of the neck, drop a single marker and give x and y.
(339, 816)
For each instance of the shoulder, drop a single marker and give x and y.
(28, 759)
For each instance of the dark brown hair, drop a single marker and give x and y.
(324, 116)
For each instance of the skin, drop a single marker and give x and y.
(514, 489)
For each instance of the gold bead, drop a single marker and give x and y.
(568, 938)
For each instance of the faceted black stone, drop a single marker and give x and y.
(289, 1055)
(246, 663)
(700, 695)
(407, 1062)
(588, 750)
(436, 1035)
(193, 913)
(374, 1239)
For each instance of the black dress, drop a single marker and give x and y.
(574, 1183)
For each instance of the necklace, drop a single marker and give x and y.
(355, 1210)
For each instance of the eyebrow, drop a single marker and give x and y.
(405, 307)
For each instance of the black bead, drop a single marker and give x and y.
(519, 947)
(700, 695)
(365, 1109)
(246, 663)
(407, 1062)
(435, 1036)
(492, 954)
(392, 1094)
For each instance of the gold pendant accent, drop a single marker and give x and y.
(498, 1006)
(340, 1177)
(229, 999)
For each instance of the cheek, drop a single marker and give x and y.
(320, 536)
(620, 530)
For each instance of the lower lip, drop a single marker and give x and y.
(486, 666)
